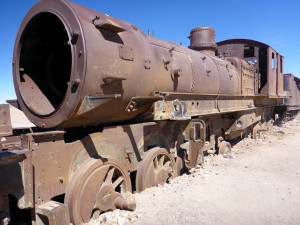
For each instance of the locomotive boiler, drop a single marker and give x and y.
(91, 66)
(117, 111)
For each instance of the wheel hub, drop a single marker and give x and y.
(106, 198)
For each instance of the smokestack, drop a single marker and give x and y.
(203, 39)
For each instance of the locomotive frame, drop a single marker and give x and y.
(76, 166)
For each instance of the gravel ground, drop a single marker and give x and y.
(258, 184)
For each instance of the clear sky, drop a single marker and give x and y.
(276, 23)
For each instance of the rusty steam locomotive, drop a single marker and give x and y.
(118, 111)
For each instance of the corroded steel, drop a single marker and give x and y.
(91, 65)
(248, 75)
(191, 105)
(265, 59)
(203, 39)
(224, 148)
(18, 164)
(195, 136)
(292, 92)
(132, 108)
(52, 212)
(96, 188)
(158, 167)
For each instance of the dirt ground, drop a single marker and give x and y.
(258, 184)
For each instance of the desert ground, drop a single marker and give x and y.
(258, 184)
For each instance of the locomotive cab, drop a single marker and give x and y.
(267, 62)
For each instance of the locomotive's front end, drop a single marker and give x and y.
(49, 62)
(76, 67)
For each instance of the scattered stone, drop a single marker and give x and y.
(160, 204)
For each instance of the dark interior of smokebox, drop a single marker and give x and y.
(45, 63)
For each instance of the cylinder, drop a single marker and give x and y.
(203, 39)
(74, 67)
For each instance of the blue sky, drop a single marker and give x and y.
(276, 23)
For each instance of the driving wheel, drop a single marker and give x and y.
(157, 167)
(97, 187)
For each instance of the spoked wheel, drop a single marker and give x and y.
(157, 167)
(97, 187)
(225, 148)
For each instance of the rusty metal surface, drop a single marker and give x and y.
(96, 72)
(157, 168)
(261, 127)
(203, 39)
(52, 212)
(292, 91)
(96, 188)
(156, 106)
(266, 60)
(128, 144)
(10, 143)
(245, 119)
(191, 105)
(224, 149)
(18, 155)
(18, 164)
(48, 152)
(249, 78)
(195, 136)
